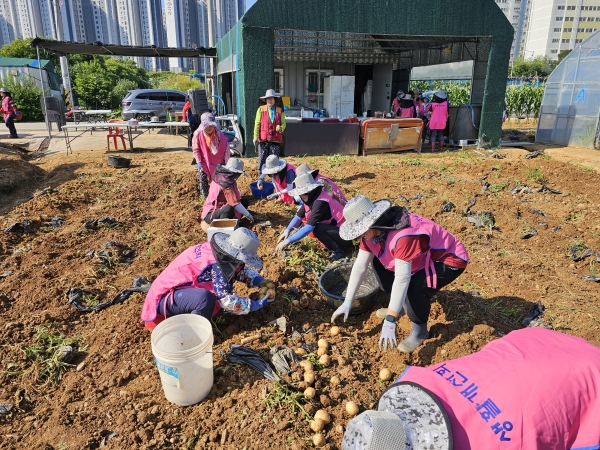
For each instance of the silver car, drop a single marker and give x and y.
(144, 103)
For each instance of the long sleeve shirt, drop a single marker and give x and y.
(259, 118)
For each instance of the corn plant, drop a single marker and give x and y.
(524, 101)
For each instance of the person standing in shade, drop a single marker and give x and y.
(188, 116)
(209, 146)
(269, 126)
(439, 117)
(224, 200)
(323, 218)
(9, 110)
(413, 257)
(200, 280)
(407, 107)
(396, 101)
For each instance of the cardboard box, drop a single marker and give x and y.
(222, 226)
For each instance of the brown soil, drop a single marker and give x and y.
(118, 388)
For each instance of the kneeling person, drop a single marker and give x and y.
(323, 214)
(200, 280)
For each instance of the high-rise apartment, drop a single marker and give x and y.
(517, 12)
(557, 25)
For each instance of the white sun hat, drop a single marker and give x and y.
(242, 244)
(273, 165)
(270, 93)
(305, 168)
(408, 416)
(304, 184)
(235, 165)
(360, 214)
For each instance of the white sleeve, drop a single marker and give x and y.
(243, 211)
(402, 271)
(357, 275)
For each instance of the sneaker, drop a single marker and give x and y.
(13, 136)
(337, 255)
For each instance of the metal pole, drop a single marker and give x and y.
(64, 65)
(210, 12)
(37, 48)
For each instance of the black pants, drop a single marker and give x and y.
(10, 124)
(418, 297)
(329, 235)
(266, 149)
(224, 212)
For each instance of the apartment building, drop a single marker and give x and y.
(557, 25)
(517, 12)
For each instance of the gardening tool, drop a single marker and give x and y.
(256, 337)
(281, 322)
(273, 196)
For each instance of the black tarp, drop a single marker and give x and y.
(98, 48)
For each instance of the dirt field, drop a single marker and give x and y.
(113, 385)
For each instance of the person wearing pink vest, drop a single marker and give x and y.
(283, 174)
(9, 110)
(407, 107)
(269, 126)
(200, 280)
(328, 185)
(418, 103)
(224, 200)
(533, 389)
(396, 101)
(413, 257)
(439, 118)
(209, 146)
(323, 214)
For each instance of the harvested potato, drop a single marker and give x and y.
(310, 393)
(325, 360)
(385, 374)
(271, 285)
(300, 351)
(263, 291)
(309, 377)
(307, 365)
(335, 380)
(339, 429)
(271, 293)
(317, 425)
(323, 343)
(318, 440)
(321, 351)
(351, 408)
(304, 302)
(334, 331)
(323, 415)
(295, 303)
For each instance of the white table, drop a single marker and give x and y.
(123, 125)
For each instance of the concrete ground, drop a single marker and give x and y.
(33, 136)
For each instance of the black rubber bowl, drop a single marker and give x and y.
(118, 161)
(333, 283)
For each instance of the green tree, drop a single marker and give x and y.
(181, 82)
(26, 95)
(540, 66)
(120, 90)
(20, 48)
(93, 84)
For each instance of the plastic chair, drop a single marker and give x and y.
(115, 133)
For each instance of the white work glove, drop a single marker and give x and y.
(282, 245)
(344, 310)
(388, 336)
(255, 141)
(260, 184)
(284, 235)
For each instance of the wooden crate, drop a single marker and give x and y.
(390, 135)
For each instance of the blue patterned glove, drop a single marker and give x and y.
(199, 166)
(259, 304)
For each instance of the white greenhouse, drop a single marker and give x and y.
(570, 109)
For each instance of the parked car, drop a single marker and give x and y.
(155, 100)
(231, 129)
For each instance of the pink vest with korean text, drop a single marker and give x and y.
(439, 239)
(335, 192)
(281, 185)
(439, 116)
(534, 389)
(212, 201)
(407, 112)
(182, 272)
(336, 209)
(204, 154)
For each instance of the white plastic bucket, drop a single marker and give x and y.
(182, 347)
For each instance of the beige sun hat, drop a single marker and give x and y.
(408, 416)
(235, 165)
(270, 93)
(360, 214)
(305, 168)
(242, 244)
(273, 165)
(304, 184)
